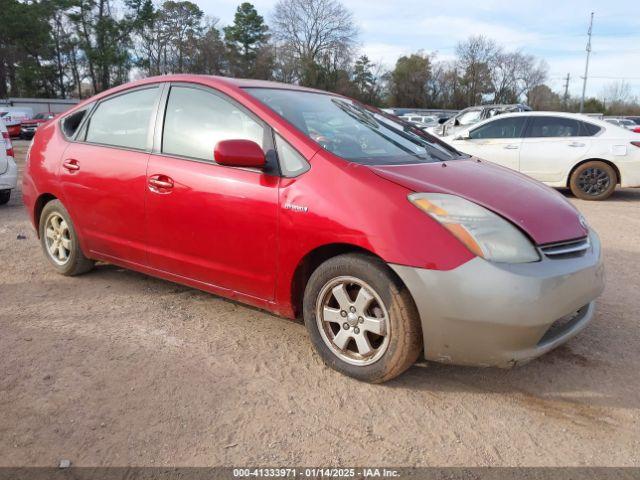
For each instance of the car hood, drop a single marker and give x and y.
(543, 213)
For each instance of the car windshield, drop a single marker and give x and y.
(352, 131)
(469, 118)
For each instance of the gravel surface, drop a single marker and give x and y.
(117, 368)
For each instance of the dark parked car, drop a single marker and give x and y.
(29, 127)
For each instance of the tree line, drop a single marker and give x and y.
(76, 48)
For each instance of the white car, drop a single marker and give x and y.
(8, 169)
(622, 122)
(587, 155)
(421, 120)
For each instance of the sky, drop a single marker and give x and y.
(555, 31)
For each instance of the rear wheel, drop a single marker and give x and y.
(361, 319)
(5, 195)
(593, 180)
(60, 241)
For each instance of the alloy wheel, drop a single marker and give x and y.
(594, 181)
(353, 321)
(58, 238)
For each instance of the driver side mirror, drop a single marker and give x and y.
(239, 153)
(463, 136)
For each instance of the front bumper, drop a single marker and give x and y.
(489, 314)
(9, 179)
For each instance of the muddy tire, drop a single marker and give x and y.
(593, 180)
(59, 241)
(361, 319)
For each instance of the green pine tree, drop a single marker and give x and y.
(246, 40)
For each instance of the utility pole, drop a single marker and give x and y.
(586, 67)
(565, 99)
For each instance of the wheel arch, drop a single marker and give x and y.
(312, 260)
(582, 162)
(41, 201)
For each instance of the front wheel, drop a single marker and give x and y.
(593, 180)
(5, 196)
(361, 319)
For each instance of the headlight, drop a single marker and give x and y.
(483, 232)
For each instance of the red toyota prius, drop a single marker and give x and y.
(386, 241)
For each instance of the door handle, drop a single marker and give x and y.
(511, 147)
(160, 182)
(71, 165)
(576, 144)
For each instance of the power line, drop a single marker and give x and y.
(615, 78)
(586, 67)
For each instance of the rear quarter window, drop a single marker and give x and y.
(589, 129)
(71, 123)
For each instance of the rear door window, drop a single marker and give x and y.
(545, 127)
(123, 120)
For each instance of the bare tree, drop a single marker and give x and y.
(617, 98)
(475, 58)
(533, 72)
(513, 74)
(616, 92)
(285, 64)
(317, 32)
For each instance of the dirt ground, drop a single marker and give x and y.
(116, 368)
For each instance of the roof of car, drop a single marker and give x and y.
(576, 116)
(253, 83)
(547, 113)
(495, 105)
(211, 80)
(229, 81)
